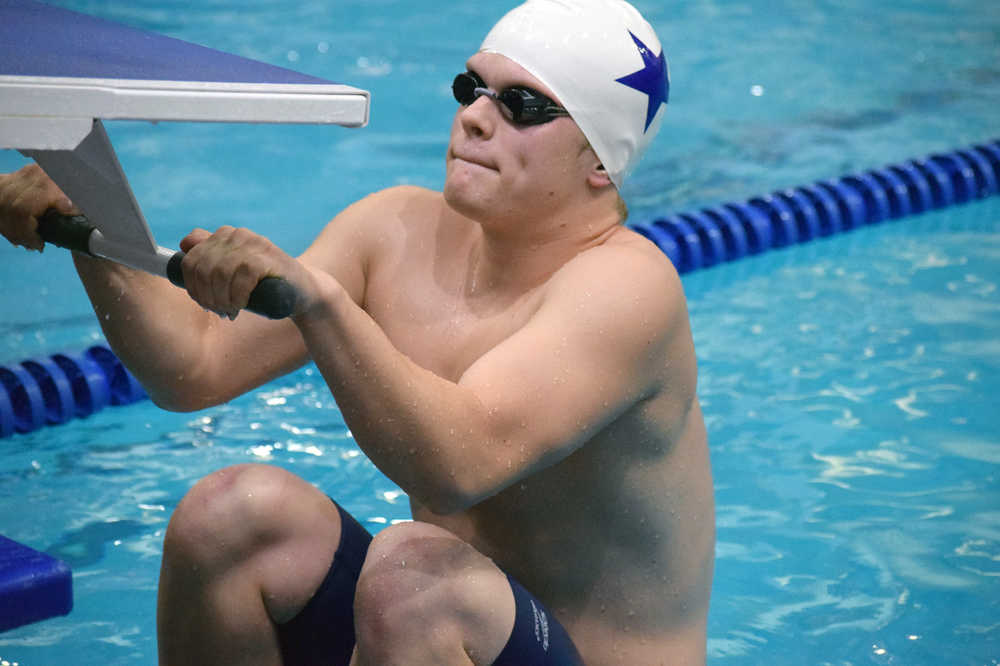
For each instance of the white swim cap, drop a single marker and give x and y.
(603, 62)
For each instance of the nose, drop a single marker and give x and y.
(480, 118)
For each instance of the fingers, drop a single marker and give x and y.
(193, 238)
(221, 269)
(24, 196)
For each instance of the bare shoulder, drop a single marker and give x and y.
(391, 204)
(626, 279)
(621, 304)
(373, 218)
(404, 195)
(367, 231)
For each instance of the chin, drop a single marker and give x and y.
(464, 197)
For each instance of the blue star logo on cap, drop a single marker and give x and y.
(651, 79)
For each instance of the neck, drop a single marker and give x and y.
(519, 254)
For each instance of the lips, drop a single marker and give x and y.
(472, 159)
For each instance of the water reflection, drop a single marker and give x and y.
(86, 545)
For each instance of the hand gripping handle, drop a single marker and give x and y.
(273, 297)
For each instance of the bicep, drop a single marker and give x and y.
(582, 360)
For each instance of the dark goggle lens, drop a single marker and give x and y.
(522, 106)
(464, 87)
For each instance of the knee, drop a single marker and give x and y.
(226, 515)
(420, 583)
(402, 582)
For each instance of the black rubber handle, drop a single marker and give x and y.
(69, 231)
(273, 297)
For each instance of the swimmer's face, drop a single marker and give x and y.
(496, 166)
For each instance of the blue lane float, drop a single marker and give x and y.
(56, 389)
(700, 239)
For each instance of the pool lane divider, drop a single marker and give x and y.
(54, 389)
(61, 387)
(727, 232)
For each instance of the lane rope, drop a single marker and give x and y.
(61, 387)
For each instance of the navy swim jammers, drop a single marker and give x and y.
(323, 632)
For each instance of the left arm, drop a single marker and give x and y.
(595, 347)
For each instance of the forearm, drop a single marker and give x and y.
(429, 435)
(153, 327)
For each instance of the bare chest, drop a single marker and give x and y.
(442, 325)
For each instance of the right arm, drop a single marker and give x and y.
(185, 356)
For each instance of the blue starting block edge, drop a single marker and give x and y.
(33, 586)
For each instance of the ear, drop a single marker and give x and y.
(598, 177)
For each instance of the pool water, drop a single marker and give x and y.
(848, 384)
(852, 413)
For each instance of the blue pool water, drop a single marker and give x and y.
(849, 385)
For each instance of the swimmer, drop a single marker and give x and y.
(509, 353)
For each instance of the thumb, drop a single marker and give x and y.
(65, 206)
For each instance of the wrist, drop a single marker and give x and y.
(325, 298)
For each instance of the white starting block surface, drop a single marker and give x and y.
(62, 73)
(60, 70)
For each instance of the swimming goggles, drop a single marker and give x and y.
(519, 104)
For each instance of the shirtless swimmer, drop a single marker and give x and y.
(511, 355)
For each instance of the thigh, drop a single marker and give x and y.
(537, 639)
